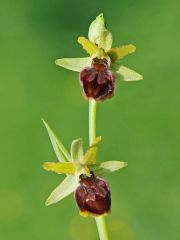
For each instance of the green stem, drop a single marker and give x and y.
(100, 221)
(92, 121)
(102, 228)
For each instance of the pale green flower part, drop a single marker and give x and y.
(99, 45)
(75, 164)
(96, 29)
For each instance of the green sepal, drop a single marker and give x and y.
(90, 155)
(60, 151)
(99, 35)
(77, 150)
(107, 167)
(96, 28)
(126, 74)
(65, 188)
(74, 64)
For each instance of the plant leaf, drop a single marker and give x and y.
(88, 46)
(127, 74)
(105, 40)
(76, 150)
(120, 52)
(74, 64)
(66, 187)
(61, 152)
(90, 155)
(96, 28)
(107, 167)
(66, 167)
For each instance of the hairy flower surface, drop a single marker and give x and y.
(98, 82)
(93, 195)
(99, 71)
(83, 175)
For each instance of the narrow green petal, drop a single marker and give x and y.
(66, 187)
(120, 52)
(90, 155)
(96, 28)
(59, 168)
(74, 64)
(127, 74)
(76, 150)
(61, 152)
(107, 167)
(88, 46)
(105, 40)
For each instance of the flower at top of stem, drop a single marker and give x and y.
(99, 71)
(83, 175)
(97, 81)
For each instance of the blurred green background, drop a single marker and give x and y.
(139, 125)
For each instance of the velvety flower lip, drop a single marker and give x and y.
(99, 46)
(76, 165)
(93, 196)
(97, 81)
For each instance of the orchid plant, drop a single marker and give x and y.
(84, 176)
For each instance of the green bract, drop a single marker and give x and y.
(75, 164)
(99, 44)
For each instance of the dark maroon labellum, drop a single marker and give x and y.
(97, 81)
(93, 195)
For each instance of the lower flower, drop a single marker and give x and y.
(83, 175)
(93, 196)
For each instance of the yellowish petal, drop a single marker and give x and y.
(90, 155)
(88, 46)
(66, 167)
(120, 52)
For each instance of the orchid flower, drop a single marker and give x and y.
(76, 165)
(99, 71)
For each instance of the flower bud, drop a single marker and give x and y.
(97, 81)
(93, 195)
